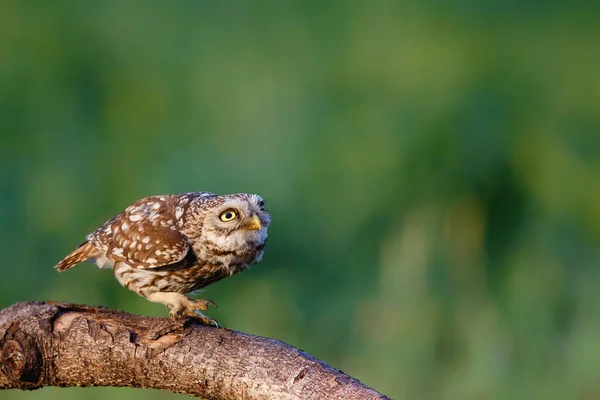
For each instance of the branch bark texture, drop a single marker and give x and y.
(61, 344)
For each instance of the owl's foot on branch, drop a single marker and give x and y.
(191, 308)
(182, 306)
(202, 319)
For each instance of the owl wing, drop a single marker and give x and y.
(145, 235)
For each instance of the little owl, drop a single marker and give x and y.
(163, 247)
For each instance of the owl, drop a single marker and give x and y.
(164, 247)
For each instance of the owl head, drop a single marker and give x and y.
(234, 222)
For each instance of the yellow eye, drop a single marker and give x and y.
(228, 215)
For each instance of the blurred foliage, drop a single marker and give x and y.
(432, 169)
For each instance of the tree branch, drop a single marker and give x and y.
(61, 344)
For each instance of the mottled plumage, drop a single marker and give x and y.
(162, 247)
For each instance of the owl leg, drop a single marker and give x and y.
(182, 306)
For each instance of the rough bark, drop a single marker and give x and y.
(60, 344)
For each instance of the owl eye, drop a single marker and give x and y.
(261, 204)
(228, 215)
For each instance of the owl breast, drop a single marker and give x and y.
(231, 253)
(190, 274)
(169, 278)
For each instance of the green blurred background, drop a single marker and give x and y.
(432, 170)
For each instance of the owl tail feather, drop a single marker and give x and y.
(85, 251)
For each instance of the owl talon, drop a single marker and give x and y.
(177, 313)
(200, 318)
(203, 304)
(204, 320)
(195, 316)
(191, 310)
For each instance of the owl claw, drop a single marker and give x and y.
(177, 313)
(183, 307)
(195, 317)
(203, 304)
(204, 320)
(192, 309)
(200, 318)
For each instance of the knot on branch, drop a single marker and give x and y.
(21, 357)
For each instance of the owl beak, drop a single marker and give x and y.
(254, 223)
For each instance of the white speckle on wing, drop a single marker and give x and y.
(118, 251)
(124, 226)
(133, 244)
(178, 212)
(158, 252)
(151, 260)
(146, 240)
(135, 217)
(155, 206)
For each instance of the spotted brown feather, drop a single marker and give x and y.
(145, 235)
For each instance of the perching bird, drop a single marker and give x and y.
(163, 247)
